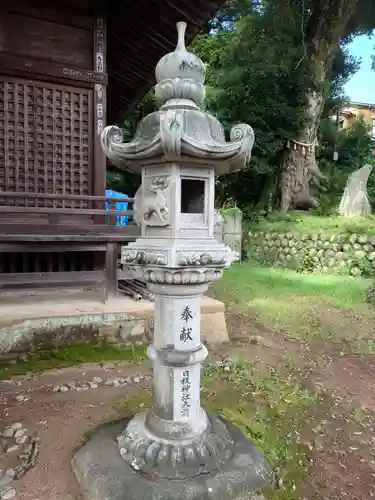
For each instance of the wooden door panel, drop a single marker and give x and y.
(46, 140)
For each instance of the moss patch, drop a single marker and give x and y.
(46, 359)
(229, 211)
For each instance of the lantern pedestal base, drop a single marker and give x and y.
(103, 474)
(187, 456)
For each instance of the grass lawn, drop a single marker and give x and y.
(304, 223)
(283, 411)
(298, 424)
(301, 306)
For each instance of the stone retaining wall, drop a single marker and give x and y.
(332, 253)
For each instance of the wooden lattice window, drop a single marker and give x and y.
(46, 137)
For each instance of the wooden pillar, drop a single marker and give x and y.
(111, 269)
(100, 101)
(100, 113)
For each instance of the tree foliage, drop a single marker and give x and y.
(353, 144)
(259, 74)
(260, 83)
(261, 65)
(324, 26)
(344, 66)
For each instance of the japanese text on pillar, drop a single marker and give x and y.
(185, 385)
(185, 333)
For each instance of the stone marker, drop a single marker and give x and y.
(354, 201)
(176, 450)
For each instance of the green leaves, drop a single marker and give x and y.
(260, 67)
(256, 81)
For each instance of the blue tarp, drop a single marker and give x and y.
(120, 205)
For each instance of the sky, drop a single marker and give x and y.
(361, 87)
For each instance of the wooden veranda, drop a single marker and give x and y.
(67, 68)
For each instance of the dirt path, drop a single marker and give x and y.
(341, 446)
(61, 420)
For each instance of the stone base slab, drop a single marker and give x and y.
(26, 324)
(103, 475)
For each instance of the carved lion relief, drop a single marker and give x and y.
(150, 203)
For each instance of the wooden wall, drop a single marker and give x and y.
(43, 39)
(52, 100)
(33, 30)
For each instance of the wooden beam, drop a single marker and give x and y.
(77, 278)
(44, 69)
(66, 238)
(53, 196)
(62, 211)
(46, 247)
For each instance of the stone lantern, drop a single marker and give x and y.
(176, 449)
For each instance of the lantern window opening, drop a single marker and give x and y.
(192, 195)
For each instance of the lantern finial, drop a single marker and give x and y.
(180, 73)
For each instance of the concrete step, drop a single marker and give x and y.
(31, 322)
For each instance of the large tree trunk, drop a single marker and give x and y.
(300, 173)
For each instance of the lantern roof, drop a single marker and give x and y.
(180, 131)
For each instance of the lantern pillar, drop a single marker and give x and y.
(176, 449)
